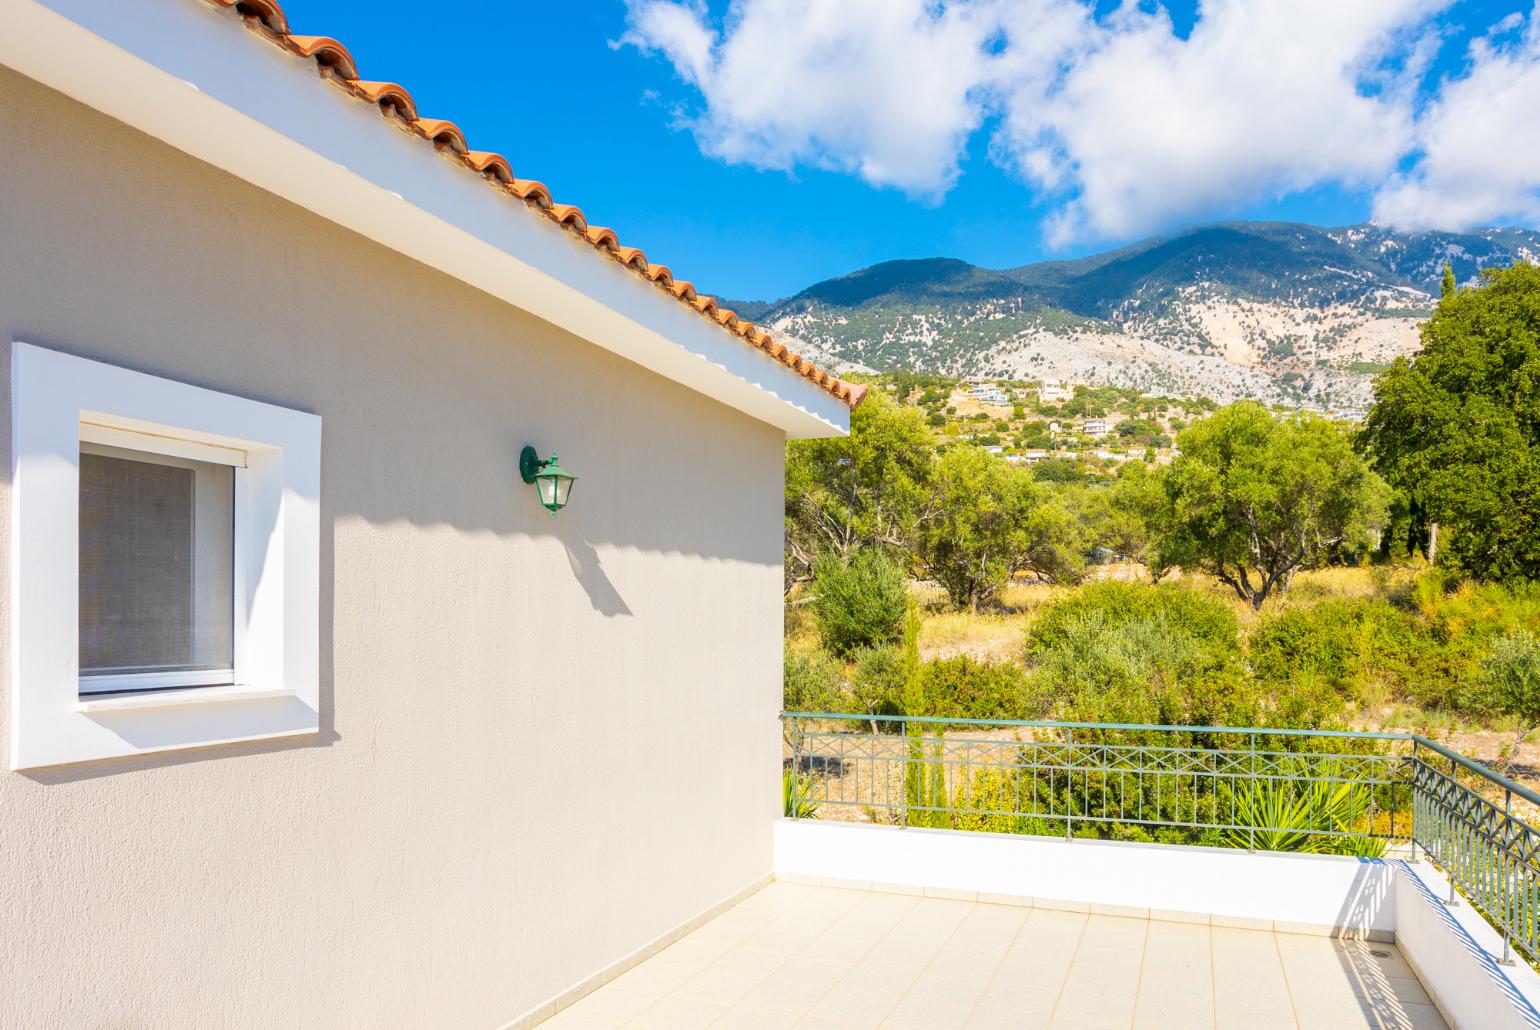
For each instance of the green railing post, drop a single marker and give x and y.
(1413, 768)
(1507, 958)
(1251, 785)
(903, 780)
(1450, 858)
(796, 769)
(1069, 793)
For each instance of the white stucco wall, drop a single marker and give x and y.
(544, 741)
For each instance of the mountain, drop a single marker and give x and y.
(1279, 311)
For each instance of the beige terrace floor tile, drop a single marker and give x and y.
(833, 957)
(675, 1013)
(1176, 983)
(1250, 989)
(1103, 983)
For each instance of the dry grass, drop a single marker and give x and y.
(799, 627)
(995, 634)
(1356, 583)
(989, 636)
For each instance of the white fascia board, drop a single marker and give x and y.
(189, 74)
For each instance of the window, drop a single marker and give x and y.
(166, 563)
(157, 571)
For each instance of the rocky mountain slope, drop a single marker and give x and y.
(1281, 312)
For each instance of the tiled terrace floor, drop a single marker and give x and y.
(796, 955)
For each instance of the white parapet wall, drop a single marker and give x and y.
(1268, 890)
(1454, 950)
(1457, 955)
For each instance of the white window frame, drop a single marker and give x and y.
(59, 400)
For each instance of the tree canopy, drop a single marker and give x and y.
(867, 489)
(1252, 498)
(979, 533)
(1457, 428)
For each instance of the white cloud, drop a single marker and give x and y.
(1263, 98)
(887, 89)
(1121, 124)
(1478, 158)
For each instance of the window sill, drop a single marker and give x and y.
(175, 698)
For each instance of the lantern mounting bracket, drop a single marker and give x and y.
(530, 464)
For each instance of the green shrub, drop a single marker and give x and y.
(881, 680)
(1127, 652)
(961, 688)
(1351, 645)
(812, 682)
(860, 603)
(1510, 684)
(1206, 625)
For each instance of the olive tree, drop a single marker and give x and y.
(978, 531)
(1252, 498)
(867, 489)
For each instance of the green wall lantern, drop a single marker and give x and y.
(552, 482)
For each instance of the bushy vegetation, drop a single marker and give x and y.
(962, 688)
(1185, 653)
(812, 682)
(1510, 679)
(860, 602)
(1125, 652)
(1253, 498)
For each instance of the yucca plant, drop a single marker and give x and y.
(1302, 815)
(794, 791)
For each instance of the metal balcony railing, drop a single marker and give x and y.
(1260, 788)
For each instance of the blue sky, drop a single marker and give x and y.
(958, 132)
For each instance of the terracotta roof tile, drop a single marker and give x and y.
(327, 52)
(530, 190)
(490, 164)
(389, 96)
(568, 214)
(599, 236)
(442, 132)
(265, 12)
(335, 63)
(632, 256)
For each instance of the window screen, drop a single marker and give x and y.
(156, 569)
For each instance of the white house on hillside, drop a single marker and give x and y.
(1052, 391)
(317, 716)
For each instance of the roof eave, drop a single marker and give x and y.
(176, 71)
